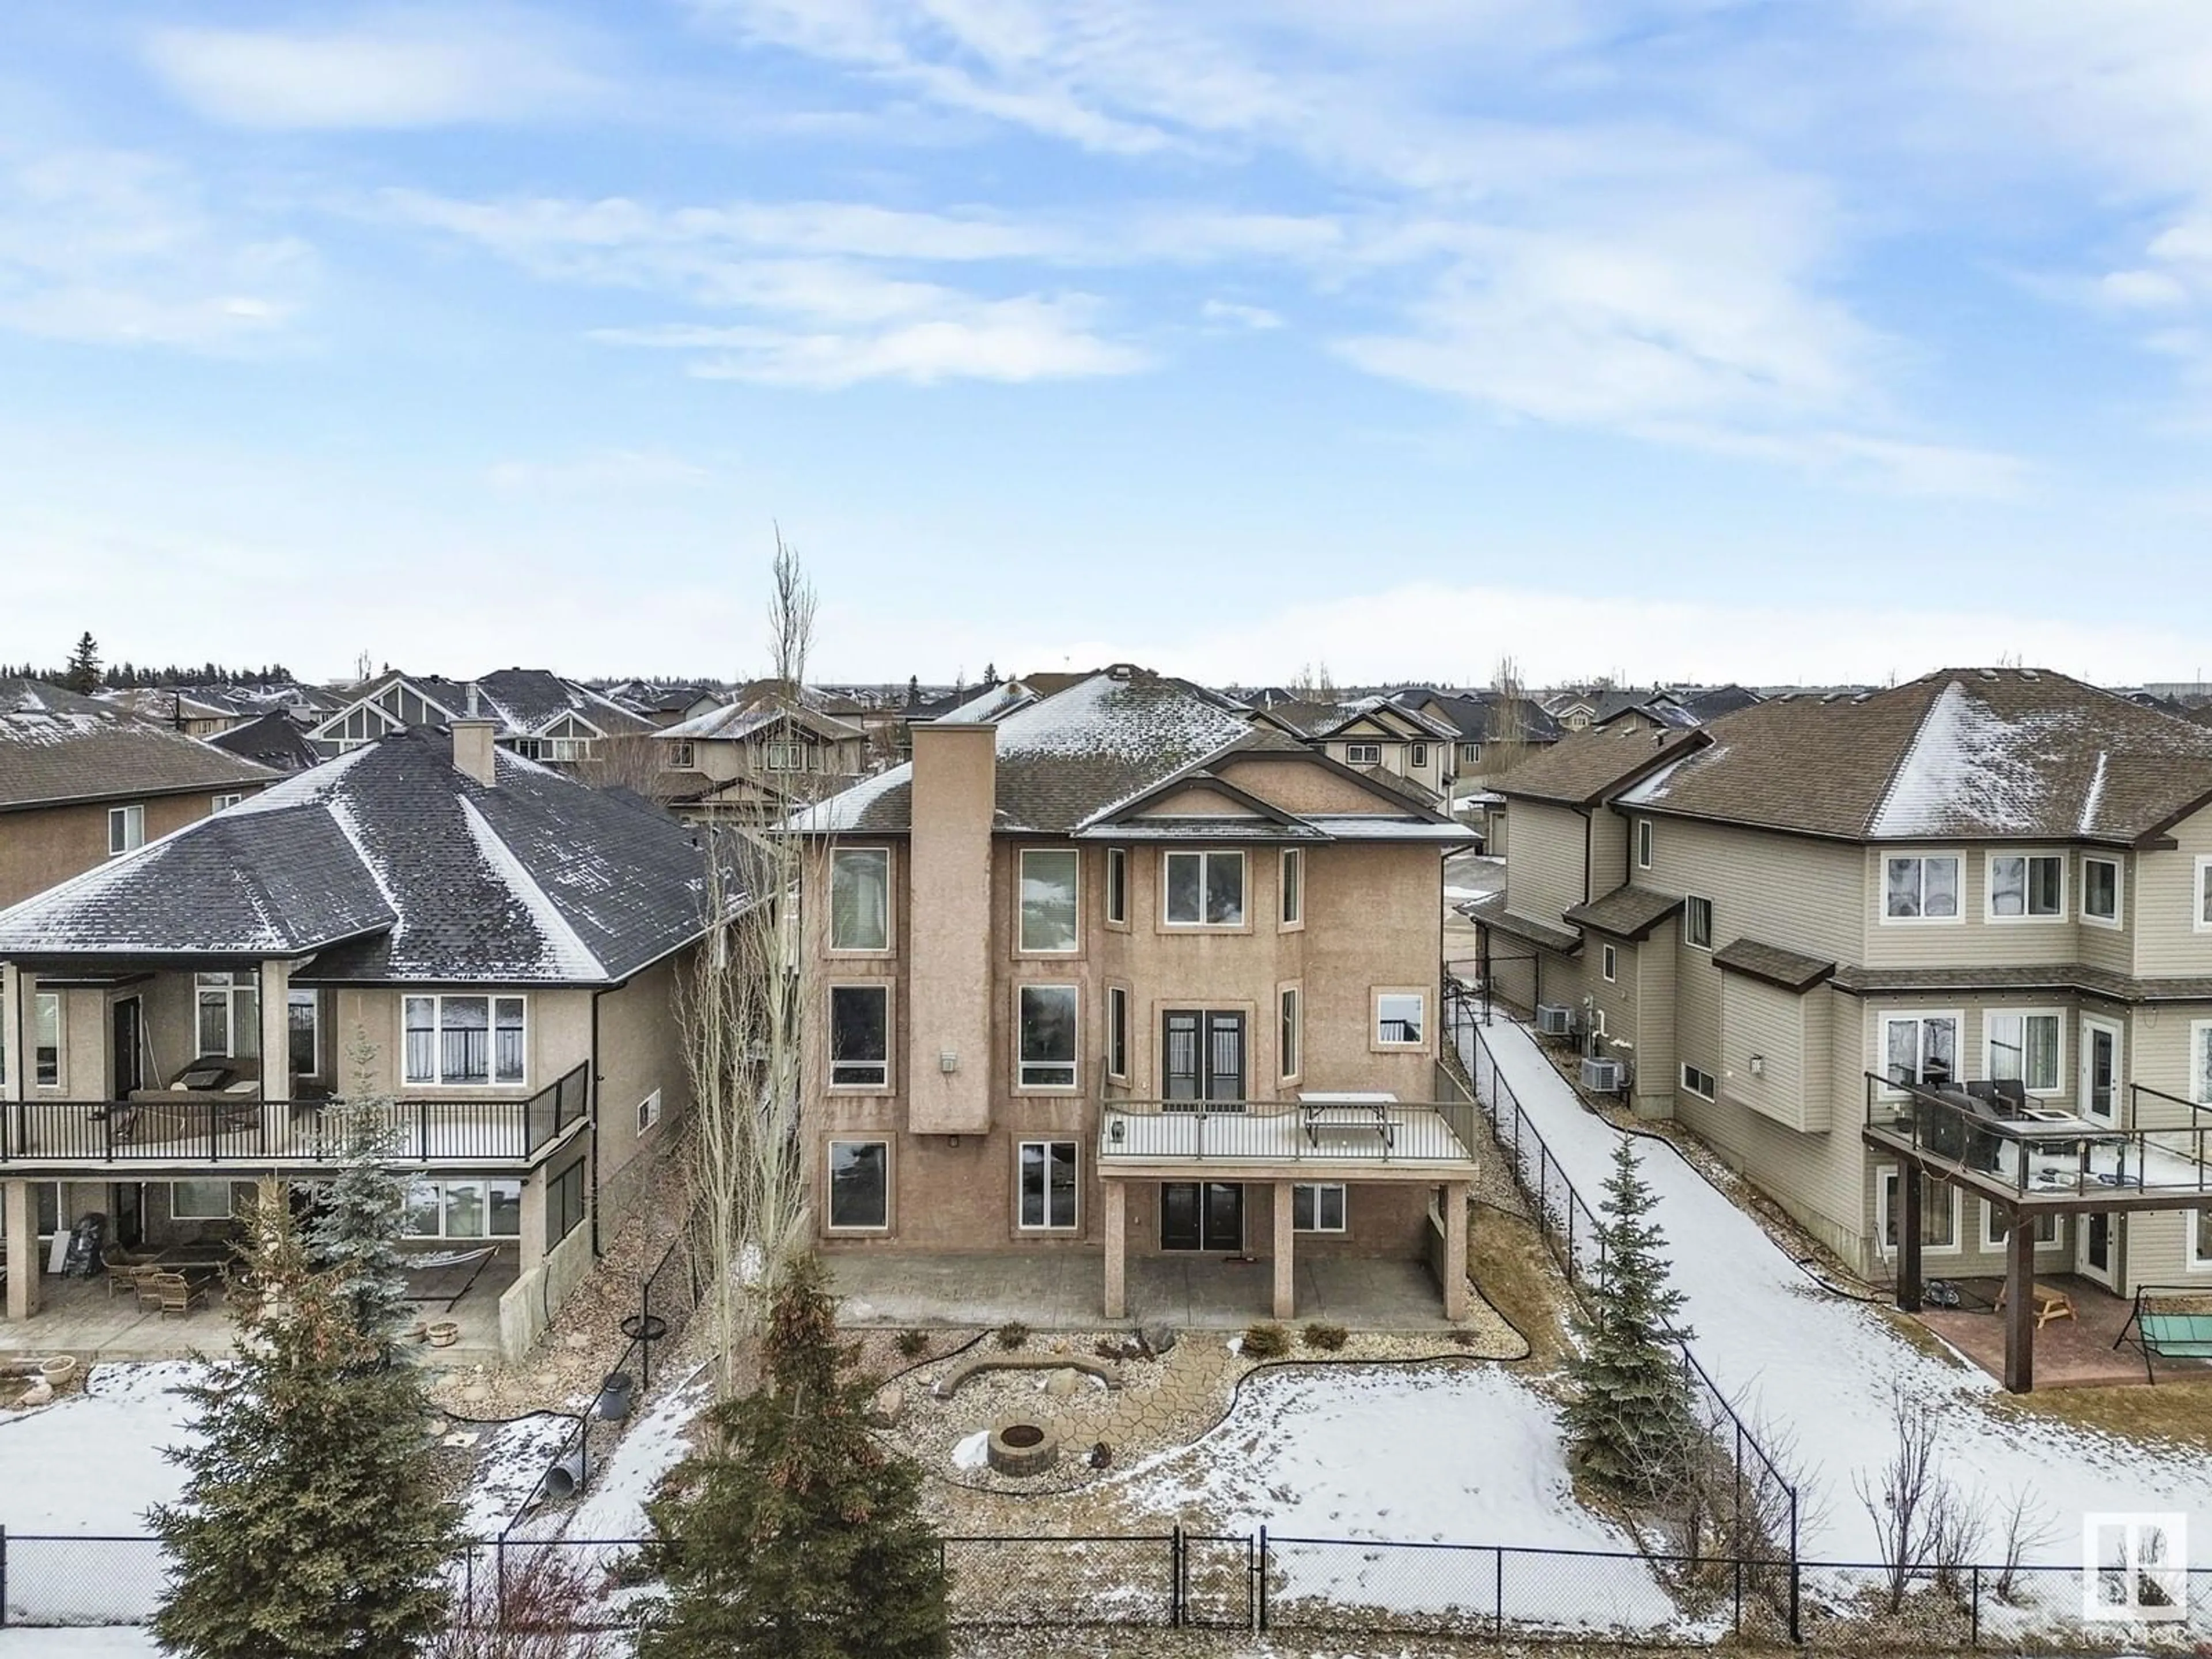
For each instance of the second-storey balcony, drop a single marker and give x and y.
(1381, 1134)
(181, 1129)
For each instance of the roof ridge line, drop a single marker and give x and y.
(505, 864)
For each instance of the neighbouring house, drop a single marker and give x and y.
(772, 752)
(1118, 970)
(665, 703)
(275, 740)
(429, 918)
(1495, 732)
(1413, 746)
(534, 713)
(83, 781)
(1962, 926)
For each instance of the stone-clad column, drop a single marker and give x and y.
(1286, 1295)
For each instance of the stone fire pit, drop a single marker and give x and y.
(1019, 1447)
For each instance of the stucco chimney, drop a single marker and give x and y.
(949, 928)
(473, 750)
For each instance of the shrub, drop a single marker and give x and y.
(1268, 1341)
(912, 1344)
(1013, 1334)
(1325, 1336)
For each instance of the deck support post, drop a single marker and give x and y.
(1116, 1195)
(1286, 1295)
(2020, 1306)
(23, 1264)
(1454, 1219)
(1909, 1183)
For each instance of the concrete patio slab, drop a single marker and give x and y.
(1063, 1291)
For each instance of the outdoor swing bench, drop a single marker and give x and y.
(2163, 1333)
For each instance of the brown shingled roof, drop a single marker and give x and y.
(1792, 971)
(57, 746)
(1584, 769)
(1626, 912)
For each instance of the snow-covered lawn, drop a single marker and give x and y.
(1823, 1367)
(91, 1462)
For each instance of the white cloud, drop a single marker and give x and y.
(1240, 316)
(109, 247)
(395, 71)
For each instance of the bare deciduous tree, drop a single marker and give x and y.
(1920, 1519)
(791, 607)
(627, 760)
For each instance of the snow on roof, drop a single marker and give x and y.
(845, 810)
(1122, 716)
(565, 955)
(2087, 823)
(1654, 789)
(1969, 762)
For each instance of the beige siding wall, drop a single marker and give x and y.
(1978, 939)
(2162, 902)
(1658, 1064)
(1791, 890)
(1790, 1084)
(1545, 875)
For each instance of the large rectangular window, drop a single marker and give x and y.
(861, 1184)
(1294, 887)
(860, 1036)
(1117, 886)
(1994, 1229)
(859, 898)
(469, 1041)
(786, 757)
(1920, 1049)
(303, 1025)
(2023, 1049)
(1399, 1018)
(2025, 887)
(1205, 889)
(2100, 891)
(1289, 1020)
(1939, 1214)
(1921, 889)
(230, 1014)
(1048, 899)
(1316, 1207)
(1048, 1185)
(200, 1201)
(126, 830)
(1047, 1018)
(1363, 754)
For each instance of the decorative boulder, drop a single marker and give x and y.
(1062, 1385)
(1160, 1339)
(888, 1407)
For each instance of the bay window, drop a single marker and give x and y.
(472, 1040)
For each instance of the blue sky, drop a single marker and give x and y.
(1684, 339)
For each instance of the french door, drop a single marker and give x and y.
(1202, 1055)
(1201, 1215)
(127, 1049)
(2100, 1071)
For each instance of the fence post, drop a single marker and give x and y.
(1793, 1635)
(1176, 1587)
(1261, 1596)
(1497, 1582)
(3, 1577)
(1974, 1615)
(498, 1583)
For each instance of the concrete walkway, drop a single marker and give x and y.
(1061, 1291)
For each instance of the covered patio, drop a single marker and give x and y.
(2069, 1353)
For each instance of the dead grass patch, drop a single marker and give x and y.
(2179, 1414)
(1509, 1265)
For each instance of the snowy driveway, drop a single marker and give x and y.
(1822, 1367)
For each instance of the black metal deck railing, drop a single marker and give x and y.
(250, 1131)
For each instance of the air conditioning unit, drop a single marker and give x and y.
(1555, 1019)
(1604, 1077)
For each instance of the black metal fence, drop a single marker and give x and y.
(1318, 1586)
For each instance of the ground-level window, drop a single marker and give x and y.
(470, 1208)
(47, 1040)
(1400, 1018)
(1994, 1230)
(1205, 889)
(230, 1014)
(126, 830)
(564, 1204)
(1922, 1050)
(1048, 1184)
(860, 1036)
(1317, 1206)
(2023, 1049)
(1939, 1213)
(1288, 1032)
(1046, 1018)
(1609, 964)
(860, 1183)
(466, 1040)
(1698, 1083)
(200, 1201)
(648, 1111)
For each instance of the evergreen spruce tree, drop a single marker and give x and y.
(312, 1520)
(83, 674)
(1630, 1425)
(797, 1535)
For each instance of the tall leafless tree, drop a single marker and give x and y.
(791, 608)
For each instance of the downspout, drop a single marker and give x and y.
(594, 1106)
(1589, 847)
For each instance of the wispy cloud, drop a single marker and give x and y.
(394, 70)
(110, 247)
(1235, 314)
(598, 470)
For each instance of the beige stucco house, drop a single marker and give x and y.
(767, 752)
(1112, 970)
(1796, 927)
(429, 918)
(1378, 736)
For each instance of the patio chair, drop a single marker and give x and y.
(176, 1294)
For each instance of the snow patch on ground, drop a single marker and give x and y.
(972, 1452)
(91, 1463)
(614, 1496)
(513, 1462)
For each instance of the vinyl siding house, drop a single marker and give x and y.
(770, 753)
(1113, 970)
(83, 781)
(429, 918)
(1379, 736)
(1818, 919)
(534, 713)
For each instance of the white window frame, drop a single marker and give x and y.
(1289, 1032)
(41, 1003)
(1882, 892)
(1394, 1045)
(1690, 903)
(890, 932)
(492, 999)
(680, 755)
(2198, 1262)
(1608, 964)
(1204, 881)
(1991, 1241)
(1117, 1032)
(872, 1086)
(1917, 1016)
(1470, 754)
(440, 1184)
(1646, 840)
(178, 1213)
(1317, 1218)
(1991, 1016)
(2084, 1047)
(2119, 869)
(1291, 895)
(1693, 1075)
(1118, 887)
(829, 1222)
(784, 755)
(131, 823)
(1886, 1194)
(1073, 1066)
(1022, 946)
(2028, 875)
(1022, 1222)
(2200, 1075)
(648, 1112)
(225, 986)
(2202, 923)
(224, 803)
(1416, 753)
(1363, 754)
